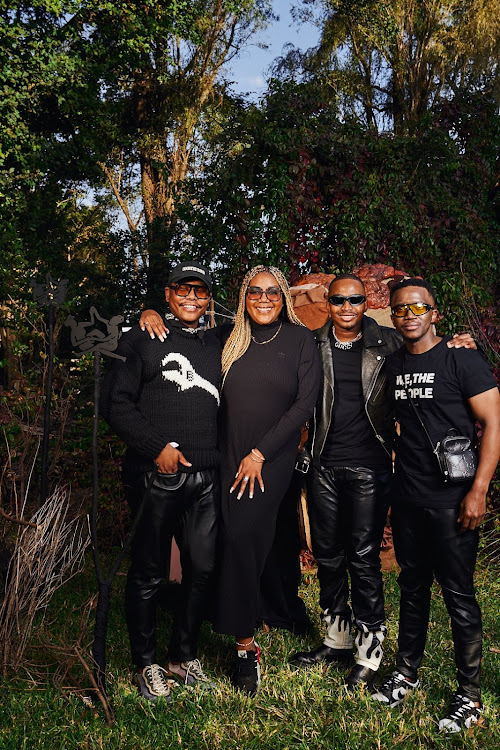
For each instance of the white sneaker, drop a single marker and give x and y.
(394, 690)
(190, 673)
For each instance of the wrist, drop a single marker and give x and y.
(257, 455)
(480, 486)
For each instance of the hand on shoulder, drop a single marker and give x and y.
(152, 322)
(462, 341)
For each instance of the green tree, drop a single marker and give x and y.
(297, 187)
(119, 98)
(390, 61)
(159, 67)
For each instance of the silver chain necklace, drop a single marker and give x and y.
(260, 343)
(345, 344)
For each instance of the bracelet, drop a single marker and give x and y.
(259, 459)
(246, 644)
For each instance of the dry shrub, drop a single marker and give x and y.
(47, 553)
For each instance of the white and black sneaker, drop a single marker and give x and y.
(394, 690)
(190, 673)
(153, 683)
(462, 714)
(246, 675)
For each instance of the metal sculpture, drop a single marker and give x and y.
(51, 295)
(99, 336)
(91, 338)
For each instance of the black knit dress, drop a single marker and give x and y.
(268, 394)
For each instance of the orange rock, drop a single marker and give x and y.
(377, 293)
(313, 315)
(374, 272)
(323, 279)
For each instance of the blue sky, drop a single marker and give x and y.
(249, 70)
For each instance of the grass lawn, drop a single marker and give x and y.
(293, 710)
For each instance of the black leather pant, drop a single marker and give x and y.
(347, 510)
(428, 542)
(185, 506)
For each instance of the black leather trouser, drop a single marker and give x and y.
(347, 510)
(428, 542)
(185, 506)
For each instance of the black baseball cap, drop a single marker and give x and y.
(191, 269)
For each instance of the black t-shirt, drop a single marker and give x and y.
(351, 440)
(440, 381)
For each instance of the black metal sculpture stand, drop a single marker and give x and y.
(90, 337)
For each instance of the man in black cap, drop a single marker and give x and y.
(162, 401)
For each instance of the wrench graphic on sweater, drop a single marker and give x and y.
(186, 376)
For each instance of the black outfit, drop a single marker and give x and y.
(377, 343)
(167, 392)
(427, 538)
(269, 393)
(347, 510)
(348, 492)
(281, 605)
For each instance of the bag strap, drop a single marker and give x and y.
(434, 448)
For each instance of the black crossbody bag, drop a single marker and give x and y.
(455, 453)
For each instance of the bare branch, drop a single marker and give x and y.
(115, 185)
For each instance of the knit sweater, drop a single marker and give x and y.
(164, 392)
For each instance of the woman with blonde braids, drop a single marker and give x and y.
(271, 376)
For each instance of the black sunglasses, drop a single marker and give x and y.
(273, 293)
(338, 300)
(417, 308)
(184, 290)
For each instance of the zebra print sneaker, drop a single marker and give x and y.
(462, 714)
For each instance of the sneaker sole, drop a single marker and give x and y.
(340, 662)
(467, 730)
(192, 682)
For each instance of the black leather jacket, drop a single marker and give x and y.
(378, 343)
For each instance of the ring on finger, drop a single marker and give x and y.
(245, 479)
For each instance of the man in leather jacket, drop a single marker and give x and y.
(348, 487)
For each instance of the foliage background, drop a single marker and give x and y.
(123, 149)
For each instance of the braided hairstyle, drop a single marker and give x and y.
(241, 335)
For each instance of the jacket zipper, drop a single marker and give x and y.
(314, 433)
(372, 386)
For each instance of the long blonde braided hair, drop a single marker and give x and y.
(241, 335)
